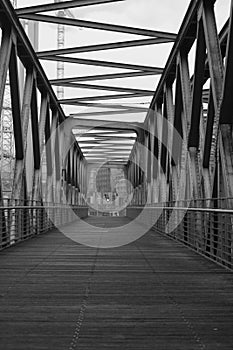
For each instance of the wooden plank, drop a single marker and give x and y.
(151, 294)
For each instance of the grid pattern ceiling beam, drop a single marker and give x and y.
(105, 143)
(101, 141)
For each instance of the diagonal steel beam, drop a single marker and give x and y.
(105, 149)
(226, 106)
(103, 77)
(61, 6)
(106, 88)
(93, 114)
(94, 143)
(111, 106)
(109, 138)
(105, 124)
(103, 63)
(72, 101)
(108, 133)
(99, 150)
(110, 152)
(100, 26)
(102, 47)
(96, 131)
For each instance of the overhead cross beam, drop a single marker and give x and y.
(104, 77)
(102, 47)
(99, 26)
(94, 143)
(105, 124)
(94, 114)
(61, 6)
(111, 106)
(106, 153)
(109, 138)
(105, 131)
(73, 101)
(106, 88)
(103, 63)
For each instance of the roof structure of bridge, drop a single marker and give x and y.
(120, 101)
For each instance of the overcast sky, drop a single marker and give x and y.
(165, 15)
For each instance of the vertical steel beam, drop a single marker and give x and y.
(226, 116)
(19, 182)
(39, 138)
(5, 54)
(178, 134)
(49, 151)
(185, 91)
(209, 130)
(213, 52)
(15, 103)
(215, 63)
(198, 81)
(226, 157)
(188, 166)
(163, 153)
(170, 121)
(216, 74)
(164, 138)
(59, 142)
(35, 127)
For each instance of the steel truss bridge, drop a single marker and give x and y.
(168, 282)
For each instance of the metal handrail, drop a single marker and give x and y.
(20, 222)
(42, 207)
(206, 230)
(221, 211)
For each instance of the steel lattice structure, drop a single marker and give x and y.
(183, 107)
(187, 133)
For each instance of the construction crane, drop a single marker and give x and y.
(60, 45)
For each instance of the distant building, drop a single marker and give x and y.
(103, 180)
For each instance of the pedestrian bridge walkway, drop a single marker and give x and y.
(151, 294)
(99, 137)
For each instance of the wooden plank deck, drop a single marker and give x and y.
(153, 294)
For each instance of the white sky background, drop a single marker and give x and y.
(164, 15)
